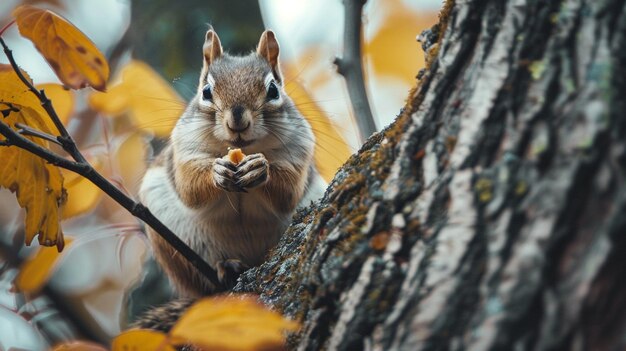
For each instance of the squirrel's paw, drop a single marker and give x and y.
(252, 171)
(224, 176)
(229, 270)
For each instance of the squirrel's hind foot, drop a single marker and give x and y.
(229, 270)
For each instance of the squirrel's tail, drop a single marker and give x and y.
(162, 318)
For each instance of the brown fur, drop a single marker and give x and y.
(194, 182)
(162, 318)
(185, 277)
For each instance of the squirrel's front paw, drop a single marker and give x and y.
(224, 176)
(252, 171)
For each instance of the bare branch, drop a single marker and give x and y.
(351, 68)
(26, 130)
(82, 167)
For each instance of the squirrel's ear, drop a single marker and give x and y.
(268, 48)
(212, 48)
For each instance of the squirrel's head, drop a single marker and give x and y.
(242, 96)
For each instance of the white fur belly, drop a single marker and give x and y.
(236, 226)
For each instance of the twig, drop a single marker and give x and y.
(82, 167)
(6, 27)
(350, 67)
(10, 108)
(26, 130)
(65, 139)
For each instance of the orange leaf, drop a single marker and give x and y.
(151, 102)
(62, 99)
(141, 340)
(37, 184)
(79, 346)
(231, 323)
(73, 57)
(36, 271)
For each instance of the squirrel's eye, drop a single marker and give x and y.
(206, 93)
(272, 91)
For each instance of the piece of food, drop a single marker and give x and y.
(234, 155)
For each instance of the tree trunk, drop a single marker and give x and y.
(492, 213)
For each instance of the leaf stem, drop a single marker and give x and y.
(80, 166)
(6, 27)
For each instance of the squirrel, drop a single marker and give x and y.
(231, 214)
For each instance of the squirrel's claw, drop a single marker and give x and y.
(224, 176)
(252, 171)
(228, 184)
(253, 179)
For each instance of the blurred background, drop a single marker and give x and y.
(106, 275)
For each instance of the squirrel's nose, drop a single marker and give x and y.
(238, 114)
(238, 125)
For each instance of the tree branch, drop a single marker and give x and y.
(82, 167)
(350, 66)
(26, 130)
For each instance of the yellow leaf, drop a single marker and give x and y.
(141, 340)
(73, 57)
(331, 150)
(393, 50)
(231, 323)
(36, 270)
(79, 346)
(37, 184)
(82, 195)
(62, 100)
(151, 102)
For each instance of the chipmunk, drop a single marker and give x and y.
(231, 214)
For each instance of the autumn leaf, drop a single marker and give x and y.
(62, 99)
(55, 3)
(331, 150)
(387, 51)
(140, 91)
(141, 340)
(37, 184)
(79, 346)
(36, 270)
(83, 195)
(73, 57)
(231, 323)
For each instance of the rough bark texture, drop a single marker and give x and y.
(491, 214)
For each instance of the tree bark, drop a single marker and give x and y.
(490, 214)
